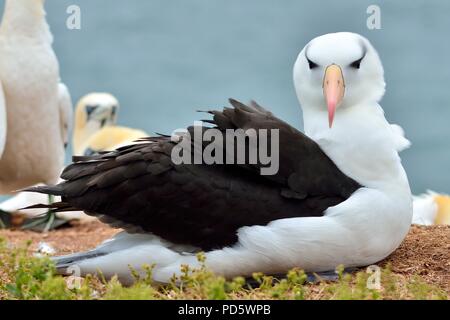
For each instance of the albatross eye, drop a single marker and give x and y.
(312, 65)
(356, 64)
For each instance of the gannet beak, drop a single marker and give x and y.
(333, 89)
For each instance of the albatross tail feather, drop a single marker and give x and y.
(57, 190)
(50, 190)
(63, 263)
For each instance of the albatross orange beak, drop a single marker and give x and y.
(333, 89)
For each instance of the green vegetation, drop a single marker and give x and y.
(23, 276)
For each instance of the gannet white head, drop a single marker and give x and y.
(25, 18)
(22, 7)
(336, 71)
(93, 112)
(23, 10)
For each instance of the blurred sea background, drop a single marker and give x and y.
(166, 59)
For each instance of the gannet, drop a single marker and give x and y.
(341, 195)
(3, 123)
(95, 125)
(431, 208)
(35, 108)
(95, 130)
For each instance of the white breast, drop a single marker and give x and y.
(29, 74)
(364, 146)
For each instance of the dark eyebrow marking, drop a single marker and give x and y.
(306, 51)
(357, 63)
(312, 64)
(364, 48)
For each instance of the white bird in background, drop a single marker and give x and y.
(353, 207)
(2, 121)
(35, 108)
(431, 208)
(95, 130)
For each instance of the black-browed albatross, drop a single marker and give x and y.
(341, 195)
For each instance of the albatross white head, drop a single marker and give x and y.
(338, 70)
(339, 81)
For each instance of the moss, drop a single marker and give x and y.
(139, 291)
(23, 276)
(420, 290)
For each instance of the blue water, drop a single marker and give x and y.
(165, 59)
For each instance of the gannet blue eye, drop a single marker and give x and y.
(312, 65)
(356, 64)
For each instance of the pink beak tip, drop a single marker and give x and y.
(331, 110)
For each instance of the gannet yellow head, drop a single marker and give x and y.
(432, 209)
(443, 212)
(93, 112)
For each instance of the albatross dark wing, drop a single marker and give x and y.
(139, 186)
(305, 170)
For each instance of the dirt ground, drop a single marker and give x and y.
(425, 251)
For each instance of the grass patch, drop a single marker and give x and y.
(25, 277)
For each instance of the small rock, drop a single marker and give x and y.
(44, 249)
